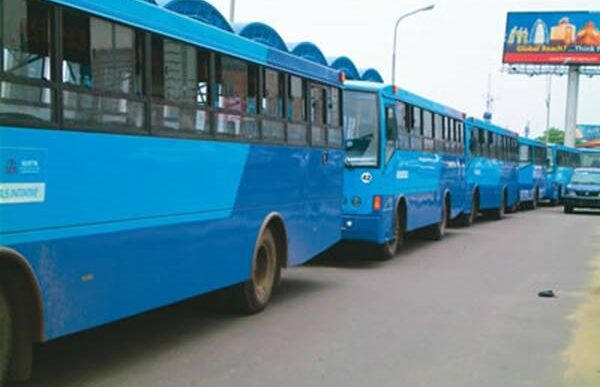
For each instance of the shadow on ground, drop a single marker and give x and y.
(72, 360)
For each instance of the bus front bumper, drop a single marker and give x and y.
(364, 228)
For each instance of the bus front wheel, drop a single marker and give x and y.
(536, 199)
(391, 247)
(466, 220)
(254, 295)
(5, 336)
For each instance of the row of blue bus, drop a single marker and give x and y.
(147, 157)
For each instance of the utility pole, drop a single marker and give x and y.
(232, 11)
(572, 101)
(548, 103)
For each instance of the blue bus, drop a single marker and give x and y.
(148, 158)
(562, 160)
(532, 172)
(589, 158)
(405, 166)
(492, 178)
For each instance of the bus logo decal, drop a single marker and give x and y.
(11, 167)
(17, 193)
(366, 178)
(402, 175)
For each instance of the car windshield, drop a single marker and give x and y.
(361, 129)
(586, 177)
(590, 160)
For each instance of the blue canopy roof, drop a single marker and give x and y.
(200, 10)
(150, 1)
(343, 63)
(309, 51)
(262, 33)
(371, 75)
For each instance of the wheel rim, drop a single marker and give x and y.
(394, 241)
(444, 220)
(473, 214)
(263, 275)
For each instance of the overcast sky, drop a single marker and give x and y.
(446, 54)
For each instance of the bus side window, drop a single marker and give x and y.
(318, 98)
(416, 141)
(334, 127)
(428, 140)
(390, 132)
(490, 145)
(481, 146)
(403, 125)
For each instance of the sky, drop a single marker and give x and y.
(447, 54)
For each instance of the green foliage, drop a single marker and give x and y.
(554, 136)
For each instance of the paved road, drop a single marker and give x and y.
(462, 312)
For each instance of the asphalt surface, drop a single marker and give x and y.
(461, 312)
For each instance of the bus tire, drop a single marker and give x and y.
(467, 220)
(6, 336)
(389, 249)
(437, 231)
(254, 295)
(499, 212)
(536, 199)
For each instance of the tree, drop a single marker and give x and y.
(554, 135)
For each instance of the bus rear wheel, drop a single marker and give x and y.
(254, 295)
(391, 247)
(6, 336)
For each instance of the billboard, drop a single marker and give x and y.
(552, 38)
(588, 132)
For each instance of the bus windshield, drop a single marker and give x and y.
(361, 129)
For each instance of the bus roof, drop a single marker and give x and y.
(491, 127)
(589, 150)
(405, 96)
(149, 17)
(563, 148)
(532, 142)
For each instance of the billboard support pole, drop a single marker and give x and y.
(548, 104)
(232, 11)
(572, 102)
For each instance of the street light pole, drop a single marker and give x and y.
(428, 8)
(548, 105)
(232, 11)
